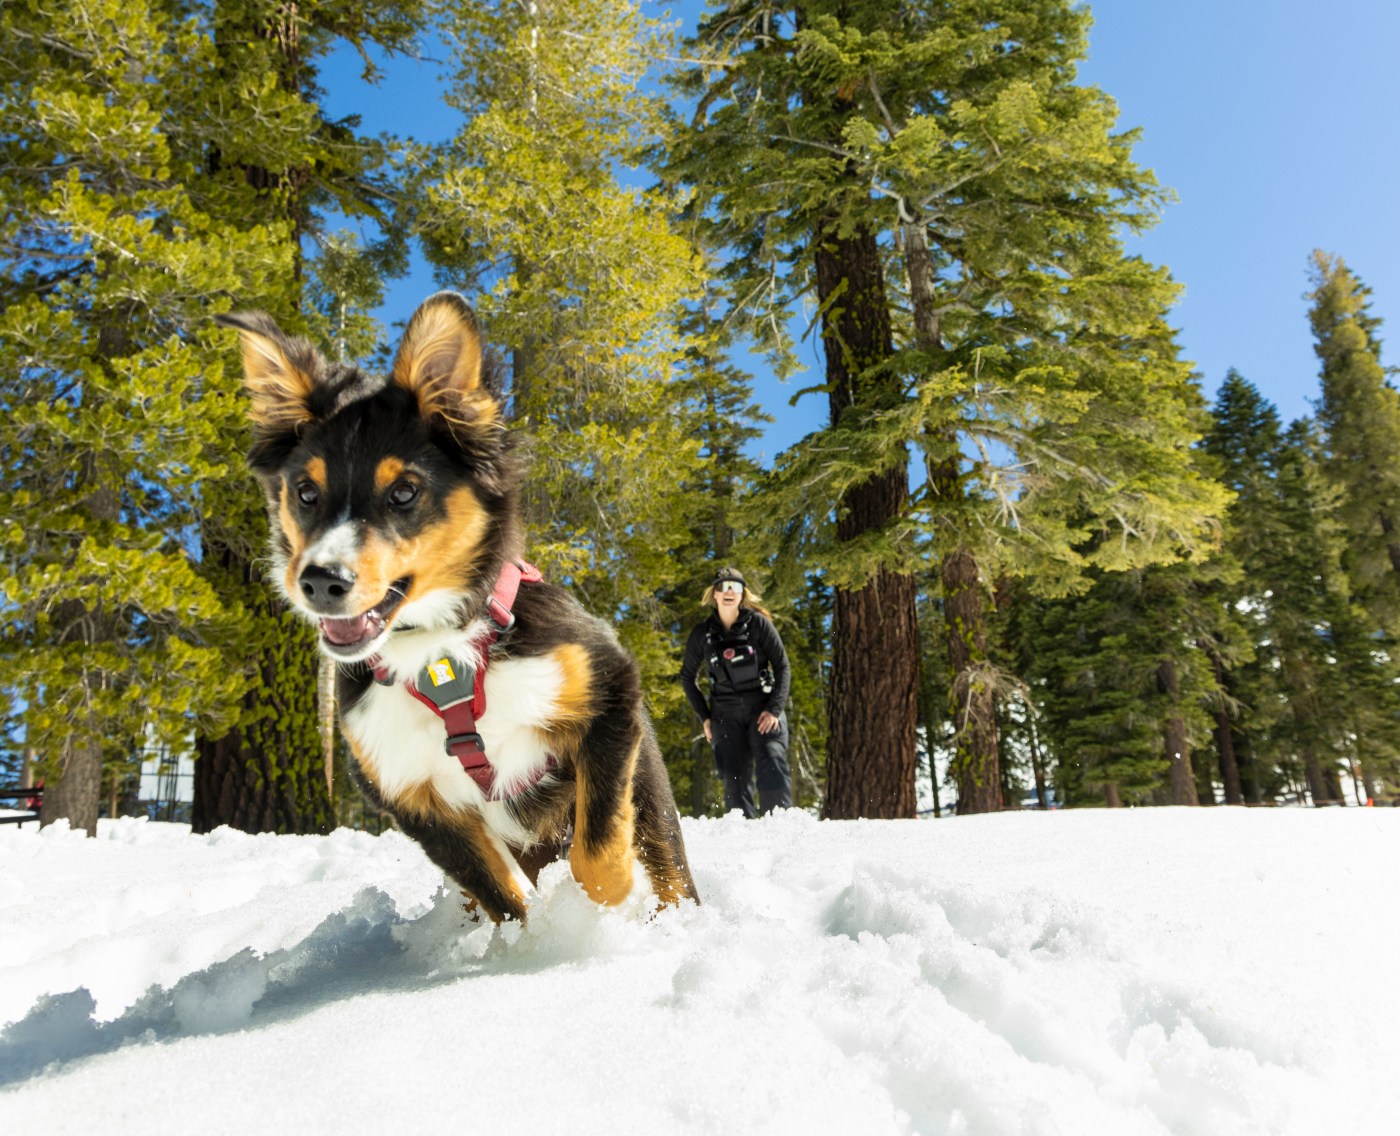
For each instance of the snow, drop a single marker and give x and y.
(1208, 971)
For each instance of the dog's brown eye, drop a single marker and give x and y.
(403, 494)
(307, 493)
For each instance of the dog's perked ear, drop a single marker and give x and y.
(282, 376)
(439, 362)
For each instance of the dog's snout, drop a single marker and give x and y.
(325, 586)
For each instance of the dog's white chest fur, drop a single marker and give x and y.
(404, 743)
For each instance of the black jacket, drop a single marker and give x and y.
(739, 660)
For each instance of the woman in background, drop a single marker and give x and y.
(749, 679)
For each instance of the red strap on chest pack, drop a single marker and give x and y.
(459, 717)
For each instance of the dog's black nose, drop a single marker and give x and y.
(326, 585)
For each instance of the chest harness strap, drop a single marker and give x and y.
(455, 689)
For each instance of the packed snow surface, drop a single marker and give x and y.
(1206, 971)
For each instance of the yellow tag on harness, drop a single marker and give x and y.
(440, 672)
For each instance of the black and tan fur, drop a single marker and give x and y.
(393, 507)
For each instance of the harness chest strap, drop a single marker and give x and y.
(455, 690)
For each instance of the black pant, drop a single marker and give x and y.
(740, 749)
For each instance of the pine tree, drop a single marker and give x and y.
(1305, 592)
(1317, 688)
(581, 279)
(1363, 714)
(283, 170)
(1123, 686)
(1338, 673)
(937, 158)
(1244, 443)
(109, 384)
(1103, 742)
(1360, 415)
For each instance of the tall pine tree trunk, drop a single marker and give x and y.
(1249, 772)
(871, 740)
(976, 764)
(1177, 748)
(1205, 784)
(1333, 779)
(930, 721)
(1037, 765)
(872, 705)
(75, 795)
(1225, 738)
(1229, 768)
(1317, 784)
(73, 784)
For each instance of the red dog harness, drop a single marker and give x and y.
(455, 689)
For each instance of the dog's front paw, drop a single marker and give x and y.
(606, 876)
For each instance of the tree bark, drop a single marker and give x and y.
(976, 764)
(871, 757)
(1333, 780)
(1225, 749)
(873, 701)
(1317, 784)
(1205, 784)
(1037, 765)
(1110, 795)
(1225, 742)
(929, 722)
(1177, 748)
(1249, 772)
(77, 792)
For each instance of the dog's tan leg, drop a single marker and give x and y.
(601, 856)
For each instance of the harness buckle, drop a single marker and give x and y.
(473, 740)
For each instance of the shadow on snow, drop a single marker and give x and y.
(365, 948)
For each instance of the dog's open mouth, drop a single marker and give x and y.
(353, 634)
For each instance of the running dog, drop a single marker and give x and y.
(499, 724)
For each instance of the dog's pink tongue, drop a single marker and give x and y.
(343, 632)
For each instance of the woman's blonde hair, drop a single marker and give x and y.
(750, 598)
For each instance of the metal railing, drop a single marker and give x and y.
(30, 800)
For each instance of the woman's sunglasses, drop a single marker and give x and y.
(730, 586)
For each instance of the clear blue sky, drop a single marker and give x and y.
(1275, 122)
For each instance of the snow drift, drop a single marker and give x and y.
(1153, 971)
